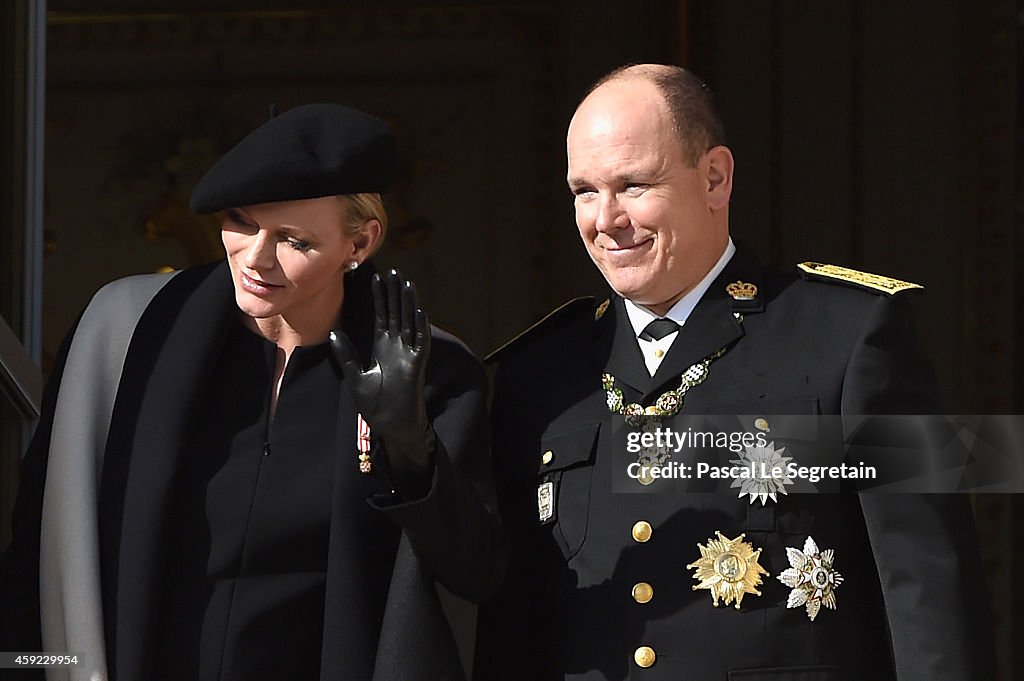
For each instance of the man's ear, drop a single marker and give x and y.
(717, 165)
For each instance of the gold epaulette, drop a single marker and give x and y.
(564, 311)
(874, 282)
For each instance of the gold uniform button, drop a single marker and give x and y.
(642, 531)
(642, 592)
(659, 353)
(547, 457)
(644, 656)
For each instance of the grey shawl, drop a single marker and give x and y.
(72, 611)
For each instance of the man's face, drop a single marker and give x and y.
(649, 222)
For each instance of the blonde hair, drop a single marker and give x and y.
(362, 207)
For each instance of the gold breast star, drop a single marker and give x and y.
(729, 569)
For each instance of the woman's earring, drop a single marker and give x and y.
(353, 266)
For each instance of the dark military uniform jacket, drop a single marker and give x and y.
(601, 589)
(451, 534)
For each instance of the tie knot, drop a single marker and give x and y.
(658, 329)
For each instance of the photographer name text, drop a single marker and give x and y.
(755, 470)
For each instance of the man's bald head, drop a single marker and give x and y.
(689, 103)
(652, 212)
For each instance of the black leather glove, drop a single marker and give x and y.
(390, 394)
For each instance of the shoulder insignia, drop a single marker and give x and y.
(875, 282)
(572, 308)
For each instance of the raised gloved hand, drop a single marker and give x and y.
(390, 394)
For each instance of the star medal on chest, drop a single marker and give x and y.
(812, 578)
(728, 568)
(768, 472)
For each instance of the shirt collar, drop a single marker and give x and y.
(640, 317)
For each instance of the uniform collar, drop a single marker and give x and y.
(639, 316)
(712, 324)
(709, 327)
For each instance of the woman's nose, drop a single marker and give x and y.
(260, 252)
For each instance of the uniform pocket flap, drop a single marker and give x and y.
(791, 418)
(817, 673)
(567, 449)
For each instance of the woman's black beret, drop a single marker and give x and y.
(307, 152)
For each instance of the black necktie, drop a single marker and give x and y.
(658, 329)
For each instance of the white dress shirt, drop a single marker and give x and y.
(639, 316)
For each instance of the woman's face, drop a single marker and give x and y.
(288, 258)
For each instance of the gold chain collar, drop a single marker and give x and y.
(668, 403)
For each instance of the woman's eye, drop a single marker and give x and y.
(239, 221)
(299, 244)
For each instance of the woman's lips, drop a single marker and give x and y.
(256, 286)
